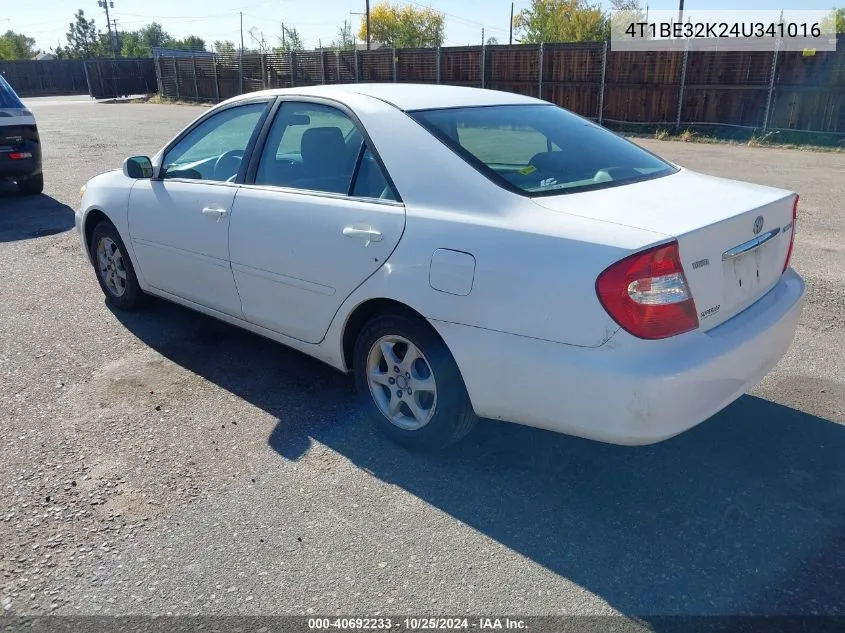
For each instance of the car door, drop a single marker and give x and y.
(317, 217)
(179, 221)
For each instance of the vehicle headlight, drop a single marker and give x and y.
(82, 191)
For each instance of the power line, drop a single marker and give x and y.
(275, 20)
(178, 17)
(458, 18)
(227, 14)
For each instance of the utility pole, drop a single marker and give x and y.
(241, 58)
(681, 11)
(283, 36)
(367, 15)
(106, 4)
(510, 39)
(242, 32)
(368, 24)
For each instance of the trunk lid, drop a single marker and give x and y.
(15, 135)
(733, 236)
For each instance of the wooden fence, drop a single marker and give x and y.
(49, 77)
(100, 78)
(753, 89)
(111, 78)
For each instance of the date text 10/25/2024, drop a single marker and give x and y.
(415, 624)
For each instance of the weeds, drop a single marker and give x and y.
(687, 136)
(758, 140)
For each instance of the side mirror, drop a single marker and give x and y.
(138, 167)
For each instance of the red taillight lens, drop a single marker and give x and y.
(20, 155)
(792, 235)
(647, 293)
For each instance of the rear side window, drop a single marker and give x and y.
(312, 147)
(8, 98)
(318, 148)
(541, 149)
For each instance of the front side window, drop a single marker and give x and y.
(315, 147)
(215, 148)
(541, 149)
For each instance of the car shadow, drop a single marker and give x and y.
(27, 217)
(744, 514)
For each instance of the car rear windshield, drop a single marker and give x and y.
(8, 97)
(538, 150)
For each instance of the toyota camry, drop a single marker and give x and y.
(464, 253)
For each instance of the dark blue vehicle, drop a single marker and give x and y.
(20, 145)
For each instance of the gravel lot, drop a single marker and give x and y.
(167, 463)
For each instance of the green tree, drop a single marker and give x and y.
(17, 46)
(625, 13)
(226, 48)
(626, 5)
(344, 40)
(83, 38)
(153, 35)
(403, 26)
(839, 16)
(560, 21)
(290, 40)
(133, 46)
(191, 43)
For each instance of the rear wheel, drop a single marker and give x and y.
(32, 186)
(114, 269)
(410, 384)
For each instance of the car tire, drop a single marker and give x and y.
(32, 186)
(422, 404)
(114, 270)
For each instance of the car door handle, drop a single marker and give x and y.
(215, 212)
(367, 235)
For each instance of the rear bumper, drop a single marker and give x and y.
(20, 167)
(628, 391)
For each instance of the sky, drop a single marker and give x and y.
(317, 20)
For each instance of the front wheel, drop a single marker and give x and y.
(114, 269)
(410, 384)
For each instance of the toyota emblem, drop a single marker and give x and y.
(758, 224)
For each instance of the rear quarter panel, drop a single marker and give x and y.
(535, 271)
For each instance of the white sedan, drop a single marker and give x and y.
(464, 253)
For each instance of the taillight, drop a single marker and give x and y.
(647, 293)
(791, 235)
(20, 155)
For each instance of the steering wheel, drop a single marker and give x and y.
(227, 163)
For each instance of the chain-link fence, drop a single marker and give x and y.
(780, 90)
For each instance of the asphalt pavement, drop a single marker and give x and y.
(163, 462)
